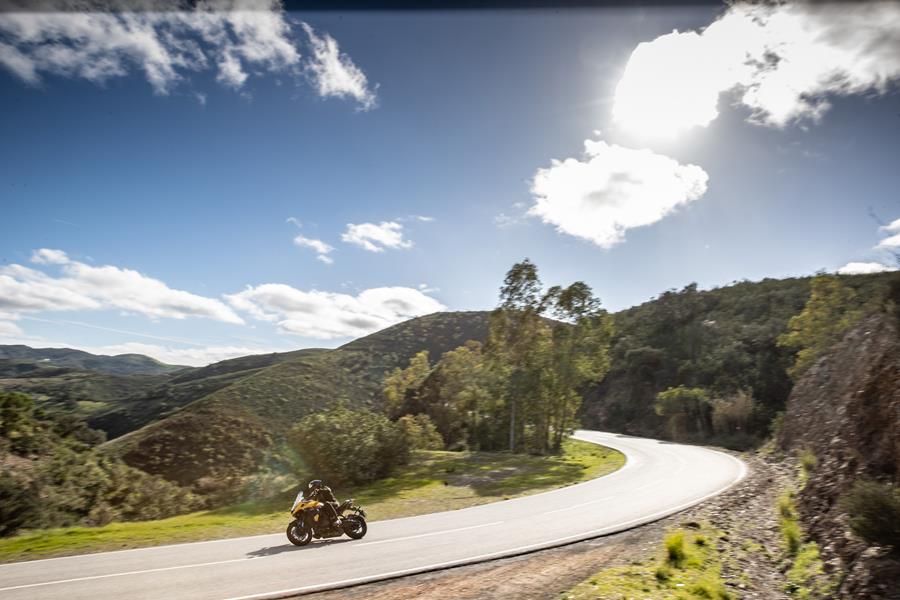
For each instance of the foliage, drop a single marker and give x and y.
(420, 432)
(688, 411)
(689, 567)
(60, 479)
(832, 307)
(346, 446)
(401, 385)
(527, 379)
(874, 510)
(226, 421)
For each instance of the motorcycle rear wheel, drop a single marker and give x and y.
(298, 535)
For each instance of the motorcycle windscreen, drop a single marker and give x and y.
(297, 501)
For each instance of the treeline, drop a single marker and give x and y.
(518, 391)
(52, 475)
(521, 390)
(718, 366)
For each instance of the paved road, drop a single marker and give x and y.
(658, 479)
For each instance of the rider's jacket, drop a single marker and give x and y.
(323, 494)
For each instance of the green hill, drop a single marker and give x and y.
(68, 390)
(122, 364)
(166, 395)
(239, 426)
(722, 340)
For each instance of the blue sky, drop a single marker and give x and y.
(174, 202)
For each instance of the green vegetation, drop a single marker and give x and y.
(874, 510)
(521, 389)
(831, 309)
(239, 428)
(433, 481)
(350, 446)
(734, 343)
(688, 568)
(52, 475)
(805, 575)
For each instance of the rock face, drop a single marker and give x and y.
(846, 410)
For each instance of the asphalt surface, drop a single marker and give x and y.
(658, 479)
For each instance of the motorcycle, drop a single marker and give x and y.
(311, 520)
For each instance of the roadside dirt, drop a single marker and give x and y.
(751, 546)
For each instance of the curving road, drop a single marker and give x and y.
(658, 479)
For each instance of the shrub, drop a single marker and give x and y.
(19, 504)
(675, 552)
(789, 525)
(874, 510)
(420, 432)
(350, 446)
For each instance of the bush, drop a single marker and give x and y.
(347, 446)
(874, 510)
(789, 525)
(19, 505)
(420, 432)
(675, 552)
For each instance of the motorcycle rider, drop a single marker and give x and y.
(318, 491)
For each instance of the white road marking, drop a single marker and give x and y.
(31, 585)
(574, 506)
(220, 562)
(412, 537)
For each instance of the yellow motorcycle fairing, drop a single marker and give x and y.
(302, 505)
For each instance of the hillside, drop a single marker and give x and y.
(239, 426)
(166, 395)
(122, 364)
(722, 340)
(845, 412)
(68, 390)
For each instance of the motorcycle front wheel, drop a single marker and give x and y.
(355, 527)
(298, 535)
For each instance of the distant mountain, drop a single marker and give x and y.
(122, 364)
(166, 395)
(237, 427)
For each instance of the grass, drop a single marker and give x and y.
(687, 568)
(805, 577)
(434, 481)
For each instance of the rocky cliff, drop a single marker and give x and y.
(846, 411)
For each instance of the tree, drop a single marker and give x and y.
(420, 432)
(687, 410)
(401, 386)
(516, 326)
(579, 354)
(350, 446)
(832, 307)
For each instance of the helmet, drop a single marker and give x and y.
(315, 484)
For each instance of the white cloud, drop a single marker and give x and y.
(611, 190)
(890, 242)
(783, 61)
(322, 249)
(334, 73)
(375, 238)
(317, 245)
(863, 268)
(99, 41)
(328, 315)
(8, 328)
(85, 287)
(893, 227)
(46, 256)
